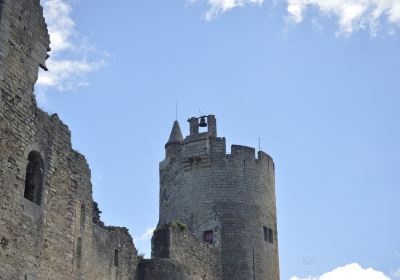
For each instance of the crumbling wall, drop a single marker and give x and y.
(55, 238)
(178, 254)
(114, 256)
(100, 252)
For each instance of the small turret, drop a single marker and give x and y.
(175, 139)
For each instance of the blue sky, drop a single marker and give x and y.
(316, 80)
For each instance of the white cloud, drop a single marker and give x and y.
(352, 15)
(349, 272)
(68, 74)
(396, 273)
(220, 6)
(60, 24)
(71, 57)
(146, 235)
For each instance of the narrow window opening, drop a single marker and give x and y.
(268, 235)
(79, 248)
(116, 258)
(34, 178)
(208, 236)
(83, 215)
(4, 242)
(271, 236)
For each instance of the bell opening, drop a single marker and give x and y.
(203, 122)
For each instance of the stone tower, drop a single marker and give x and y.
(224, 199)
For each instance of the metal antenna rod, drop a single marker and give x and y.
(201, 113)
(176, 110)
(259, 144)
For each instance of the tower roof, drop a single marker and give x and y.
(176, 134)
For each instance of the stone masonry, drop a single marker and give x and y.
(47, 232)
(178, 254)
(225, 199)
(217, 211)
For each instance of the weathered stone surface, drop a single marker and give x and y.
(178, 254)
(232, 195)
(40, 239)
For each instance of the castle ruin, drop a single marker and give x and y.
(217, 211)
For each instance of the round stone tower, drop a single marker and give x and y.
(224, 199)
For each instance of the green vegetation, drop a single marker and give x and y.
(140, 256)
(178, 224)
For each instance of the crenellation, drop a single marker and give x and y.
(242, 153)
(231, 197)
(266, 160)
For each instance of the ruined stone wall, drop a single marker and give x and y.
(178, 254)
(54, 238)
(232, 195)
(114, 255)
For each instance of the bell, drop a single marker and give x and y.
(203, 121)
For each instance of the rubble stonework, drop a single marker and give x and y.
(50, 227)
(178, 254)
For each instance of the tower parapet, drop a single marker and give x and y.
(224, 199)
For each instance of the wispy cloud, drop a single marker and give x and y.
(216, 7)
(351, 15)
(349, 272)
(71, 56)
(146, 235)
(396, 273)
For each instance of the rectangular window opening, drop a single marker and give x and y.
(271, 236)
(268, 235)
(208, 236)
(79, 248)
(79, 252)
(83, 216)
(116, 258)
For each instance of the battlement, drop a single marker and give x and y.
(245, 153)
(227, 199)
(198, 149)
